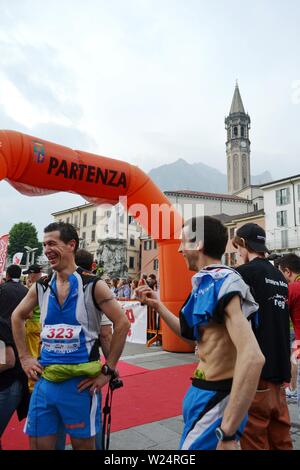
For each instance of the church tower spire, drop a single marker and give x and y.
(237, 124)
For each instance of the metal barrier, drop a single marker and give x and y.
(153, 327)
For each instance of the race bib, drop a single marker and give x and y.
(61, 338)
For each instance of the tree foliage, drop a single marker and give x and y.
(21, 235)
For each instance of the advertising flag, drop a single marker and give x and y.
(17, 258)
(3, 251)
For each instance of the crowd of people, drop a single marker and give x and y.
(239, 320)
(125, 288)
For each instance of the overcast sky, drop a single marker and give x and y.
(148, 81)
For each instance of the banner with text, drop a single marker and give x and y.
(3, 251)
(137, 315)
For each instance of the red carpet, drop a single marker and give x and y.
(152, 396)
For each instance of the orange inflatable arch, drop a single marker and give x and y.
(36, 167)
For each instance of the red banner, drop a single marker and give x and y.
(3, 251)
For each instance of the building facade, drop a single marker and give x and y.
(100, 222)
(193, 203)
(256, 217)
(282, 208)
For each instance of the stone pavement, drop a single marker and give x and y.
(165, 434)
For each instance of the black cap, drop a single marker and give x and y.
(255, 236)
(33, 268)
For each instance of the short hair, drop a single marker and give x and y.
(67, 232)
(291, 262)
(211, 231)
(238, 241)
(84, 259)
(14, 271)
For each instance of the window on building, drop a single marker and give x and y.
(122, 219)
(132, 241)
(93, 237)
(131, 262)
(108, 214)
(84, 219)
(155, 265)
(282, 196)
(284, 239)
(147, 245)
(235, 131)
(131, 220)
(255, 206)
(106, 230)
(68, 220)
(94, 217)
(76, 221)
(242, 131)
(282, 219)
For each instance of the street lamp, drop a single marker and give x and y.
(28, 251)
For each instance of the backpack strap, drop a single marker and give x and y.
(87, 279)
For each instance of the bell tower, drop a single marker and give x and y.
(237, 125)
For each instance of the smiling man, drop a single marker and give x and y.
(215, 316)
(71, 302)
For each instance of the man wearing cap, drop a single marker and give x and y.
(32, 325)
(268, 426)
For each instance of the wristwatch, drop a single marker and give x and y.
(224, 437)
(106, 370)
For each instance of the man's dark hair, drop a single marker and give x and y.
(211, 231)
(14, 271)
(291, 262)
(67, 232)
(84, 259)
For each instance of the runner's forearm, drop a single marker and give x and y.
(246, 376)
(117, 342)
(169, 317)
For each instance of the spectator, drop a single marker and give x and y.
(152, 282)
(33, 325)
(289, 265)
(143, 280)
(11, 292)
(14, 394)
(134, 285)
(268, 425)
(114, 286)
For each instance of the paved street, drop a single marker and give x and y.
(165, 434)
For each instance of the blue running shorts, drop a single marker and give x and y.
(53, 403)
(203, 409)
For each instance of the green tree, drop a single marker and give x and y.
(21, 235)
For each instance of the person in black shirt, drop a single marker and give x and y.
(268, 425)
(11, 292)
(14, 394)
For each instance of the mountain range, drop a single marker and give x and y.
(196, 177)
